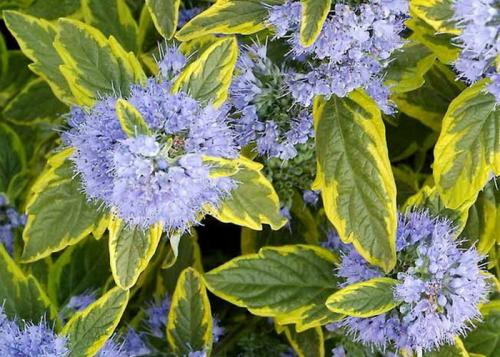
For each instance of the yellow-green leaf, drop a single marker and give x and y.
(165, 16)
(276, 282)
(253, 202)
(467, 152)
(439, 43)
(59, 214)
(35, 103)
(112, 18)
(190, 325)
(407, 67)
(208, 78)
(130, 250)
(89, 329)
(429, 103)
(354, 175)
(314, 13)
(229, 17)
(364, 299)
(457, 349)
(22, 295)
(131, 121)
(35, 37)
(437, 13)
(93, 65)
(309, 343)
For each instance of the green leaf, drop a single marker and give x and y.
(88, 330)
(13, 5)
(12, 156)
(309, 343)
(35, 37)
(253, 202)
(4, 58)
(436, 13)
(407, 67)
(190, 325)
(22, 295)
(439, 43)
(113, 18)
(16, 77)
(130, 250)
(165, 15)
(208, 78)
(314, 13)
(228, 17)
(131, 121)
(468, 148)
(485, 338)
(354, 175)
(429, 103)
(33, 104)
(365, 299)
(53, 9)
(93, 65)
(276, 282)
(80, 268)
(59, 214)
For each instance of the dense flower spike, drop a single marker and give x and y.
(439, 292)
(10, 220)
(266, 114)
(351, 51)
(157, 319)
(157, 178)
(479, 38)
(29, 340)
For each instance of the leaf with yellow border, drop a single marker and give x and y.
(190, 325)
(354, 175)
(314, 13)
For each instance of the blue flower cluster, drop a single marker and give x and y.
(10, 220)
(440, 289)
(480, 41)
(351, 52)
(158, 178)
(30, 339)
(157, 319)
(265, 111)
(131, 345)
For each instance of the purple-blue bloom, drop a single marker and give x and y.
(30, 339)
(264, 110)
(159, 178)
(131, 345)
(440, 289)
(80, 302)
(480, 41)
(187, 14)
(351, 52)
(10, 220)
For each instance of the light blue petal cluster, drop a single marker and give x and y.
(158, 178)
(28, 339)
(10, 220)
(157, 319)
(265, 111)
(351, 52)
(439, 292)
(132, 345)
(478, 21)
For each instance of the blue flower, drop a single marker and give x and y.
(478, 21)
(30, 339)
(10, 220)
(80, 302)
(157, 319)
(187, 14)
(132, 345)
(439, 291)
(264, 110)
(160, 178)
(351, 52)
